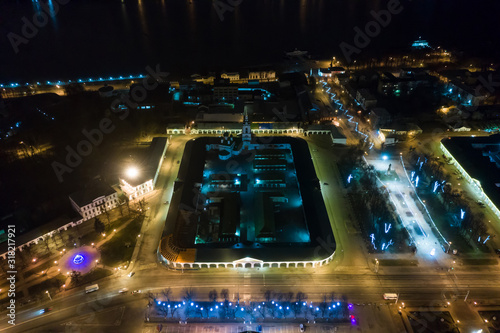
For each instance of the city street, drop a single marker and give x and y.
(351, 274)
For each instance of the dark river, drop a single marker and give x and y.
(113, 37)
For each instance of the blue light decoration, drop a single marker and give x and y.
(487, 238)
(420, 44)
(450, 90)
(416, 181)
(384, 157)
(387, 227)
(78, 259)
(349, 179)
(436, 184)
(373, 241)
(479, 239)
(433, 252)
(462, 214)
(421, 163)
(412, 175)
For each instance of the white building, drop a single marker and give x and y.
(97, 198)
(143, 182)
(232, 76)
(262, 75)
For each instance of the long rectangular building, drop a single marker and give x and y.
(478, 160)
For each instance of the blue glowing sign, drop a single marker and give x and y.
(78, 259)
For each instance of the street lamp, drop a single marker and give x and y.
(48, 294)
(376, 265)
(132, 172)
(449, 245)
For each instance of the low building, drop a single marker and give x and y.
(332, 130)
(232, 76)
(379, 117)
(466, 94)
(97, 198)
(176, 128)
(144, 180)
(224, 91)
(337, 137)
(325, 72)
(405, 82)
(366, 99)
(262, 75)
(401, 129)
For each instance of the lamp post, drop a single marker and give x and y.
(48, 294)
(376, 265)
(449, 246)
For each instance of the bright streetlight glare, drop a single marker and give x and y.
(132, 172)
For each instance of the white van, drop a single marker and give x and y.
(390, 296)
(92, 288)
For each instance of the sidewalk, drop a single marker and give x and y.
(23, 284)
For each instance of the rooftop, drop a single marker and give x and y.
(149, 165)
(479, 157)
(92, 191)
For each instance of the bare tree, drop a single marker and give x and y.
(212, 295)
(300, 297)
(46, 242)
(189, 294)
(127, 202)
(167, 293)
(105, 210)
(224, 294)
